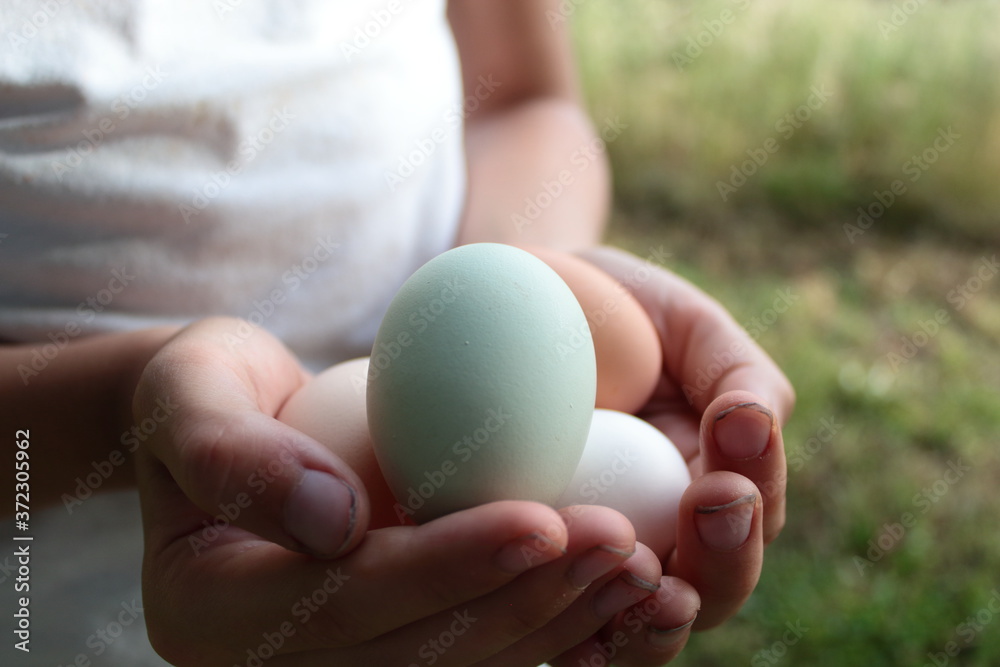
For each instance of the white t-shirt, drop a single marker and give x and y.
(290, 162)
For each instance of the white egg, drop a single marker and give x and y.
(630, 466)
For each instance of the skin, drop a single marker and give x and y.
(548, 585)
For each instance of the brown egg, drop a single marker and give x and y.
(331, 409)
(629, 357)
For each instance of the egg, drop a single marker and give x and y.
(631, 466)
(627, 345)
(482, 383)
(330, 408)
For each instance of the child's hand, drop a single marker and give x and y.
(722, 401)
(232, 498)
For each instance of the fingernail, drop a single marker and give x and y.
(743, 431)
(594, 564)
(621, 593)
(526, 552)
(664, 638)
(726, 527)
(320, 513)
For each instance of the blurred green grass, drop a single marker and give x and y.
(701, 83)
(887, 403)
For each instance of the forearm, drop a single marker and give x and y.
(538, 175)
(76, 404)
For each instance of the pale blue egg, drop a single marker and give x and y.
(481, 384)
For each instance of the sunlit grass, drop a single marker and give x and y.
(870, 441)
(697, 101)
(909, 402)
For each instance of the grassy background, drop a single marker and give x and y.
(901, 416)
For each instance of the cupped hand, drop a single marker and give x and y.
(256, 548)
(722, 401)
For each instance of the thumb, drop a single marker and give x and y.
(232, 459)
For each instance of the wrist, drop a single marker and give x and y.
(77, 408)
(535, 178)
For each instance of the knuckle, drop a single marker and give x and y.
(442, 591)
(337, 626)
(174, 634)
(532, 615)
(206, 460)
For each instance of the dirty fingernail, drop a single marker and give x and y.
(621, 593)
(726, 527)
(663, 638)
(743, 431)
(594, 564)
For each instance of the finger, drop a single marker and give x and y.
(719, 544)
(638, 579)
(397, 576)
(651, 633)
(741, 435)
(600, 541)
(705, 350)
(228, 454)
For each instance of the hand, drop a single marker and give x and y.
(256, 547)
(722, 401)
